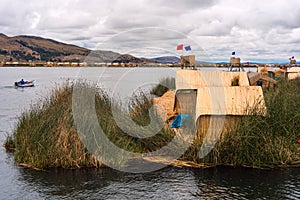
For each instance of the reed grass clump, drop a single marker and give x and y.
(164, 85)
(45, 136)
(9, 143)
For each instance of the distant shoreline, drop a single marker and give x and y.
(129, 65)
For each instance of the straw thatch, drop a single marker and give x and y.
(165, 104)
(235, 61)
(219, 100)
(216, 99)
(205, 122)
(211, 93)
(292, 75)
(229, 100)
(294, 69)
(267, 82)
(193, 79)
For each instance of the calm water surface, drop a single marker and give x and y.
(169, 183)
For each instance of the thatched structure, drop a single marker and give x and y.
(216, 99)
(293, 73)
(229, 92)
(188, 61)
(235, 62)
(194, 79)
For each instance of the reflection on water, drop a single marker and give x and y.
(168, 183)
(241, 183)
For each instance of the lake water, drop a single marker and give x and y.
(168, 183)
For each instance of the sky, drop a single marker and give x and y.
(265, 30)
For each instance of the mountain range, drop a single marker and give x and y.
(167, 59)
(37, 49)
(25, 48)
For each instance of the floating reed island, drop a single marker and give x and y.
(45, 136)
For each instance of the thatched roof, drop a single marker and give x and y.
(294, 70)
(229, 100)
(193, 79)
(216, 95)
(293, 75)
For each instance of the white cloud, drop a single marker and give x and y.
(265, 29)
(33, 19)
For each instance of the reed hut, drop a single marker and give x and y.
(216, 99)
(187, 61)
(293, 62)
(235, 62)
(293, 73)
(280, 73)
(266, 77)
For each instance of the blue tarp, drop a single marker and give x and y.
(259, 83)
(180, 119)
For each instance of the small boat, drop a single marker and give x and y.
(24, 83)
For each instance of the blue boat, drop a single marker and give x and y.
(24, 83)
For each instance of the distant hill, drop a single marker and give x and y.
(100, 56)
(222, 63)
(126, 58)
(25, 48)
(32, 48)
(167, 59)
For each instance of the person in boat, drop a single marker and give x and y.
(22, 81)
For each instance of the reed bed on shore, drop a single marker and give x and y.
(45, 136)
